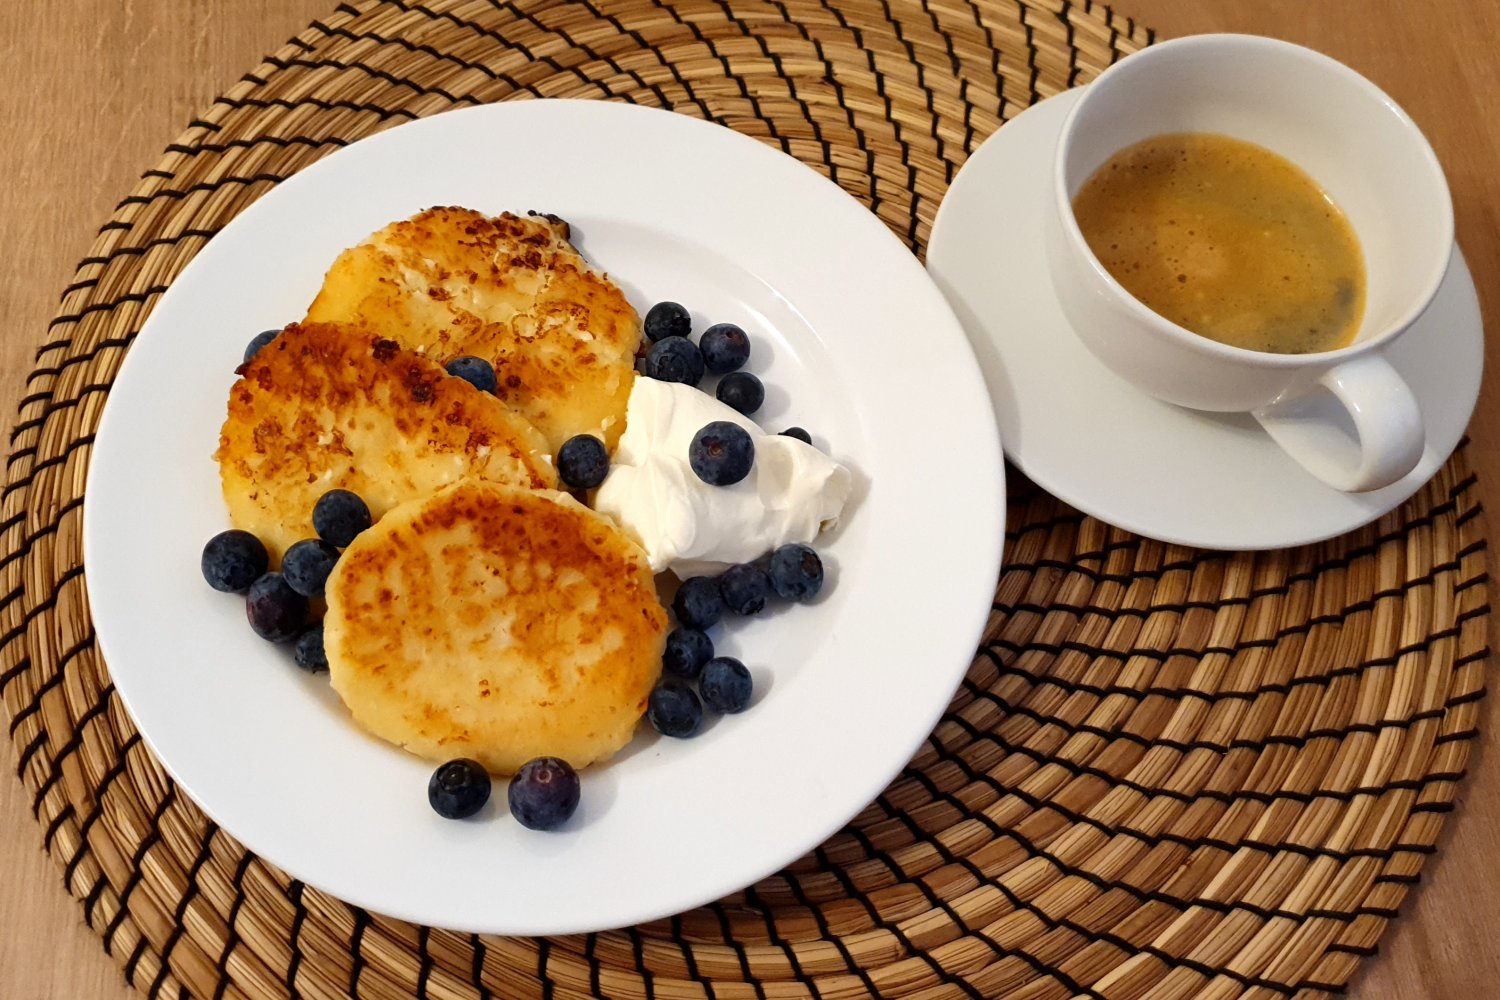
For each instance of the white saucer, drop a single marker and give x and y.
(1094, 441)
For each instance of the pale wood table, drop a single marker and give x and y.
(97, 88)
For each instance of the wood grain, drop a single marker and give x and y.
(99, 87)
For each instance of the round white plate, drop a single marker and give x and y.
(854, 342)
(1089, 438)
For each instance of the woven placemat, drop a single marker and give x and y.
(1169, 773)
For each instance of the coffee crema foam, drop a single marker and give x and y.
(1227, 239)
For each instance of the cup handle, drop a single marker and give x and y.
(1387, 423)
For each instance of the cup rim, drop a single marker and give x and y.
(1142, 312)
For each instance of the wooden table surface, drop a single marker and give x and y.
(98, 87)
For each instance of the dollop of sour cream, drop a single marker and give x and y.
(685, 525)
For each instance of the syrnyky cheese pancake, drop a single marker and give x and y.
(511, 290)
(327, 406)
(495, 623)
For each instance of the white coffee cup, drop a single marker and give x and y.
(1345, 415)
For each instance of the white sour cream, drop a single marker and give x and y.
(685, 525)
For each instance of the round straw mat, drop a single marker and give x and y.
(1169, 773)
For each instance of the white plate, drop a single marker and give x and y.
(1089, 438)
(854, 342)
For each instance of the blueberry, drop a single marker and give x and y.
(675, 359)
(338, 516)
(725, 348)
(309, 653)
(687, 650)
(721, 453)
(744, 588)
(741, 391)
(233, 560)
(459, 788)
(698, 603)
(306, 566)
(667, 319)
(276, 611)
(582, 462)
(544, 793)
(796, 572)
(726, 685)
(798, 433)
(674, 710)
(258, 341)
(476, 371)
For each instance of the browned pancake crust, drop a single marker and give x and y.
(509, 289)
(327, 406)
(498, 624)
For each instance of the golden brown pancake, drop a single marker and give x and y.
(495, 623)
(327, 406)
(510, 289)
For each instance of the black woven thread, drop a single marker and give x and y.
(457, 100)
(356, 948)
(1242, 600)
(543, 949)
(50, 462)
(95, 813)
(179, 913)
(906, 158)
(1078, 770)
(50, 833)
(1033, 95)
(754, 904)
(591, 959)
(23, 549)
(638, 952)
(1101, 691)
(1296, 741)
(879, 922)
(1075, 818)
(476, 968)
(136, 954)
(1104, 885)
(199, 187)
(424, 961)
(936, 902)
(738, 947)
(137, 873)
(1064, 17)
(1084, 933)
(232, 935)
(772, 56)
(509, 44)
(280, 142)
(688, 957)
(929, 97)
(826, 933)
(299, 917)
(50, 408)
(54, 678)
(551, 63)
(96, 891)
(747, 93)
(266, 103)
(869, 195)
(1205, 557)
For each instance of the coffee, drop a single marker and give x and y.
(1226, 239)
